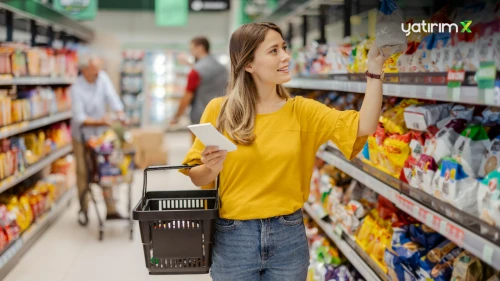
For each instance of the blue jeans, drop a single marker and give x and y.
(273, 249)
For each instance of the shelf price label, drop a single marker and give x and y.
(456, 76)
(456, 234)
(428, 92)
(413, 91)
(487, 254)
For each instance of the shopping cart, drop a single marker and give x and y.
(177, 227)
(94, 159)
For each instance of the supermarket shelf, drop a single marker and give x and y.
(38, 81)
(465, 94)
(46, 15)
(11, 256)
(14, 129)
(35, 168)
(474, 242)
(366, 271)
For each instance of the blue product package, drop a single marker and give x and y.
(366, 152)
(409, 252)
(390, 37)
(395, 269)
(425, 236)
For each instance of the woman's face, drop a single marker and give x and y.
(271, 60)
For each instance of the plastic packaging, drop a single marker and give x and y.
(390, 37)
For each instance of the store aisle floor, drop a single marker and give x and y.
(68, 252)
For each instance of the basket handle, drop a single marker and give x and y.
(165, 167)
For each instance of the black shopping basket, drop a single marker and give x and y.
(177, 227)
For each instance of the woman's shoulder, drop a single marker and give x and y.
(215, 104)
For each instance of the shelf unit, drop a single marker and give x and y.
(14, 129)
(464, 94)
(464, 237)
(10, 257)
(45, 15)
(356, 260)
(37, 81)
(35, 168)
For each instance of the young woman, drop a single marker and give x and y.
(264, 183)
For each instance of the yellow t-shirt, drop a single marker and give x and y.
(272, 176)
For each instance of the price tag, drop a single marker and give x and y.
(436, 223)
(413, 91)
(455, 93)
(456, 75)
(428, 220)
(428, 92)
(416, 210)
(442, 227)
(487, 254)
(397, 90)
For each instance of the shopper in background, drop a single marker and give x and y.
(207, 80)
(91, 95)
(260, 234)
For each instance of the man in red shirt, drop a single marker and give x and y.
(207, 80)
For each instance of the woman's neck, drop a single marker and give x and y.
(267, 92)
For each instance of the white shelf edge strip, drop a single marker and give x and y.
(37, 81)
(465, 94)
(477, 245)
(12, 130)
(364, 269)
(35, 168)
(36, 227)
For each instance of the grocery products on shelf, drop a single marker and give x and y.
(24, 204)
(401, 246)
(32, 103)
(439, 50)
(18, 60)
(17, 153)
(326, 261)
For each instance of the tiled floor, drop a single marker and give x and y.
(68, 252)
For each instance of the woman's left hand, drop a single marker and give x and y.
(375, 59)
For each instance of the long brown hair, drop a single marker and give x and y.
(238, 112)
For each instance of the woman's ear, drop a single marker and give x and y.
(249, 68)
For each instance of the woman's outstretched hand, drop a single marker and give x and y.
(375, 60)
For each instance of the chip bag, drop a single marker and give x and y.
(442, 144)
(488, 199)
(389, 37)
(397, 150)
(470, 147)
(457, 188)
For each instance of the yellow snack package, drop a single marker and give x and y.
(397, 150)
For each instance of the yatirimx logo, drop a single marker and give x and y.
(430, 27)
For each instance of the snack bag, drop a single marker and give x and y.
(491, 158)
(486, 42)
(469, 149)
(441, 145)
(458, 112)
(420, 117)
(389, 36)
(441, 52)
(395, 269)
(488, 199)
(443, 253)
(467, 268)
(491, 116)
(457, 188)
(397, 150)
(425, 236)
(393, 119)
(422, 60)
(425, 171)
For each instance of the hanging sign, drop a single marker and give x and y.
(77, 9)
